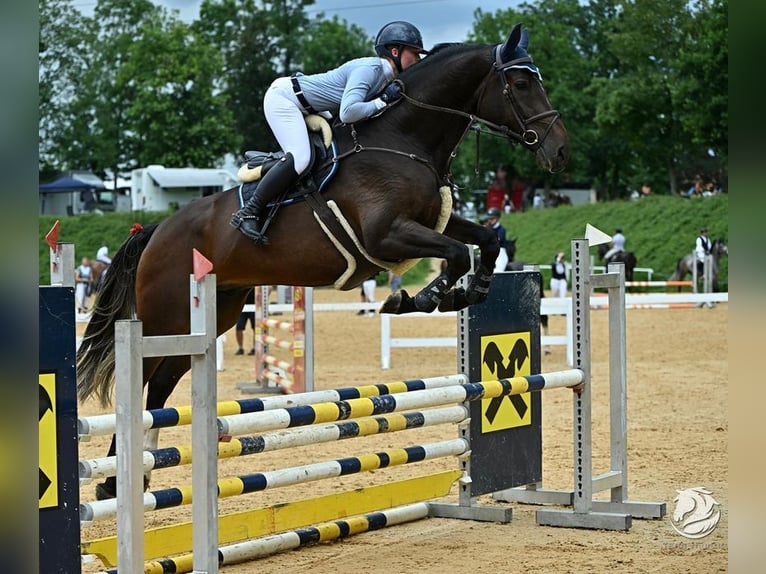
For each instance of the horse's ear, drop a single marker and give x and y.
(509, 47)
(524, 40)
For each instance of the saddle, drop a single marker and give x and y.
(321, 169)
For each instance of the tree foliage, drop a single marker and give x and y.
(642, 85)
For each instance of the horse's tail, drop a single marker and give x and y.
(116, 300)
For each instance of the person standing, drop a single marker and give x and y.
(618, 244)
(497, 192)
(493, 222)
(394, 281)
(368, 295)
(83, 277)
(103, 255)
(559, 276)
(354, 91)
(244, 318)
(702, 248)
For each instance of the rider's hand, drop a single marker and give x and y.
(392, 92)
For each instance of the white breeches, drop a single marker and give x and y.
(501, 261)
(558, 287)
(285, 117)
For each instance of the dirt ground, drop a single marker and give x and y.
(677, 438)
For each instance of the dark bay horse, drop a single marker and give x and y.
(684, 266)
(626, 257)
(390, 171)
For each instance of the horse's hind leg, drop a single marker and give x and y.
(161, 383)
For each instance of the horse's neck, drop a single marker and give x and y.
(450, 92)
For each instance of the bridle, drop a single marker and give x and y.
(526, 136)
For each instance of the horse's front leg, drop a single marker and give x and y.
(409, 240)
(478, 288)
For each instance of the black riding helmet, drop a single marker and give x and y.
(398, 34)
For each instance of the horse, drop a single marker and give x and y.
(389, 171)
(685, 265)
(626, 257)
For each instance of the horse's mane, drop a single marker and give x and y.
(436, 58)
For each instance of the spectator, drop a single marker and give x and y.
(394, 281)
(696, 189)
(497, 192)
(537, 202)
(559, 276)
(83, 277)
(618, 244)
(646, 190)
(493, 222)
(244, 318)
(368, 295)
(517, 188)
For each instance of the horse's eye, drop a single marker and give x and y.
(521, 83)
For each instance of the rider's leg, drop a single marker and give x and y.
(286, 119)
(250, 218)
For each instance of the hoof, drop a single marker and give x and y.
(104, 491)
(399, 303)
(393, 302)
(108, 490)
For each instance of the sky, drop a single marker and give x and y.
(437, 20)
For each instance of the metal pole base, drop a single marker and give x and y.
(480, 513)
(593, 520)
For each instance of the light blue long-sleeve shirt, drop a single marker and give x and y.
(347, 91)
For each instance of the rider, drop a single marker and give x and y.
(618, 244)
(702, 247)
(348, 91)
(103, 255)
(493, 222)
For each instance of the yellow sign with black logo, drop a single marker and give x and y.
(503, 357)
(47, 436)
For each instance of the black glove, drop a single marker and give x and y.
(392, 92)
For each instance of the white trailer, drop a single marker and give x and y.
(159, 188)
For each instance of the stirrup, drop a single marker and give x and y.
(237, 221)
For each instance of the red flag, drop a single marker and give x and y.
(52, 237)
(202, 265)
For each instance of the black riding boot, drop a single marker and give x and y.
(249, 220)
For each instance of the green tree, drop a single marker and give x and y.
(240, 31)
(64, 45)
(145, 92)
(329, 43)
(701, 87)
(178, 116)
